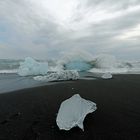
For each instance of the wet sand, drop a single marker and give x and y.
(30, 114)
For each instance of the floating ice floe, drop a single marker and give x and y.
(59, 76)
(107, 76)
(32, 67)
(73, 111)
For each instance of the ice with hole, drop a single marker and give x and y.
(73, 111)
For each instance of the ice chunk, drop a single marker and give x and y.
(62, 75)
(73, 111)
(32, 67)
(107, 76)
(78, 65)
(76, 60)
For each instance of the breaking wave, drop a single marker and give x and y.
(9, 65)
(79, 62)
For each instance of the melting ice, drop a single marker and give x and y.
(62, 75)
(73, 111)
(32, 67)
(73, 61)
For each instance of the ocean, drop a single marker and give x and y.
(20, 74)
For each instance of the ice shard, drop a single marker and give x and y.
(73, 111)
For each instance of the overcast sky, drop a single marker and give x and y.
(49, 28)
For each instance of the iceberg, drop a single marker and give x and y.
(32, 67)
(62, 75)
(107, 76)
(78, 65)
(76, 60)
(73, 111)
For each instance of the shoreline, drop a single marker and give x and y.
(12, 82)
(31, 113)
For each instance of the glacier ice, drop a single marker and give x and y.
(107, 76)
(78, 65)
(62, 75)
(76, 60)
(73, 111)
(32, 67)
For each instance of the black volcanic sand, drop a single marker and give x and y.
(30, 114)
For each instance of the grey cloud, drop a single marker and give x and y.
(40, 36)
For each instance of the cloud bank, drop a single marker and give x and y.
(49, 28)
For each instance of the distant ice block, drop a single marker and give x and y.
(78, 65)
(32, 67)
(107, 76)
(73, 111)
(62, 75)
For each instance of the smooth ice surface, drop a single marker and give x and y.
(73, 111)
(32, 67)
(62, 75)
(107, 76)
(78, 65)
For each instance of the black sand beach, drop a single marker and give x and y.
(30, 114)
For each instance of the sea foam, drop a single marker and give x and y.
(79, 61)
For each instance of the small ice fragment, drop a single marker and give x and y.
(73, 111)
(107, 76)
